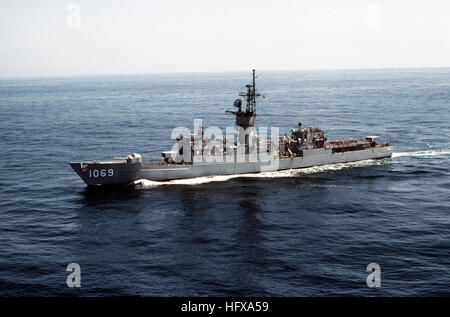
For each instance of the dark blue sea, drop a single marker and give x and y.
(296, 233)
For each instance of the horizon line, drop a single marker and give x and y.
(214, 72)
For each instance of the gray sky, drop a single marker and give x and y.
(58, 37)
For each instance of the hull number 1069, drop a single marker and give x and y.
(101, 173)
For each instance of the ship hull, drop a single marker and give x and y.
(122, 173)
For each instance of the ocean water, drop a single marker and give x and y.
(307, 232)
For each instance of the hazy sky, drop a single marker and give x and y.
(58, 37)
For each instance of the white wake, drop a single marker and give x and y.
(422, 153)
(145, 183)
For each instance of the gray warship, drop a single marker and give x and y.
(198, 155)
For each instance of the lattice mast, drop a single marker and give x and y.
(246, 118)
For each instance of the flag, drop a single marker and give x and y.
(265, 98)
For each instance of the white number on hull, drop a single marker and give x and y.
(101, 173)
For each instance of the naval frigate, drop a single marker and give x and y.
(198, 154)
